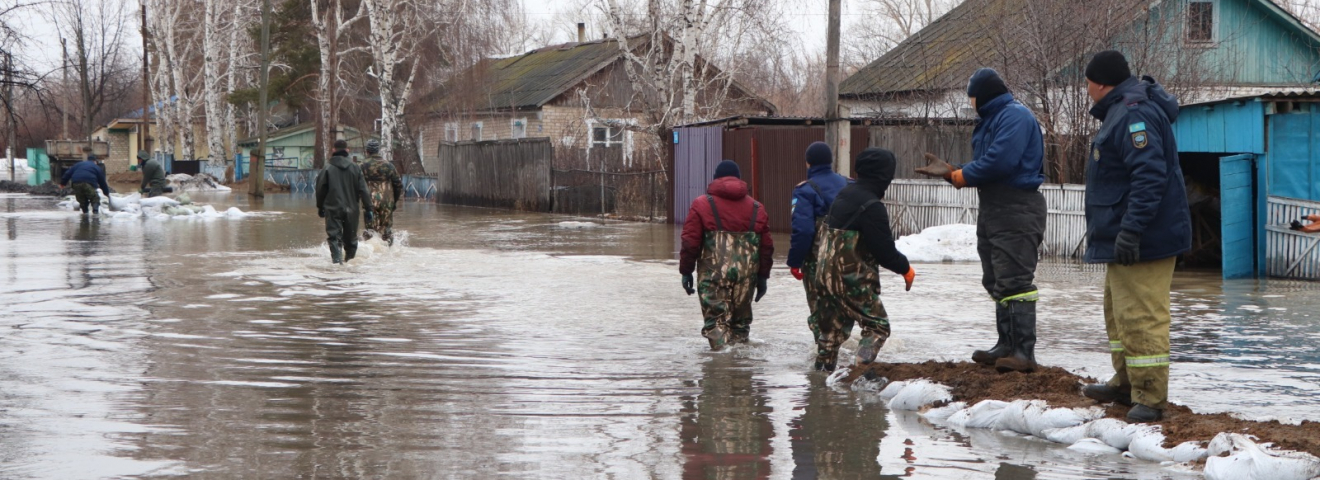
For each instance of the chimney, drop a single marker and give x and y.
(582, 32)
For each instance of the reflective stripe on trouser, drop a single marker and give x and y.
(727, 272)
(1137, 322)
(850, 279)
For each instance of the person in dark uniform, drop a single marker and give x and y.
(340, 188)
(1008, 153)
(1137, 222)
(85, 177)
(812, 200)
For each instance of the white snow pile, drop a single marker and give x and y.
(578, 225)
(943, 243)
(159, 208)
(1228, 456)
(202, 182)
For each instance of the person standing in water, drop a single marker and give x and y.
(850, 252)
(812, 200)
(386, 188)
(726, 242)
(339, 189)
(85, 177)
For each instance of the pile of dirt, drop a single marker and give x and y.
(271, 187)
(134, 178)
(7, 186)
(971, 383)
(49, 189)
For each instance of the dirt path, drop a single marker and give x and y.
(972, 383)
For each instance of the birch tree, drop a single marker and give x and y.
(398, 29)
(333, 28)
(217, 79)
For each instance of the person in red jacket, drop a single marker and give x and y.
(726, 241)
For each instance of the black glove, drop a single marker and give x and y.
(687, 284)
(1127, 248)
(366, 214)
(760, 288)
(320, 212)
(1295, 225)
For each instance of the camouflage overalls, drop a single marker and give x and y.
(385, 186)
(811, 283)
(727, 277)
(86, 195)
(850, 279)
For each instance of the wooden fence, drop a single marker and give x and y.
(915, 205)
(1290, 254)
(502, 174)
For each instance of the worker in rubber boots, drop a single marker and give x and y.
(386, 188)
(811, 203)
(1008, 153)
(339, 189)
(153, 175)
(1138, 222)
(726, 241)
(850, 252)
(85, 177)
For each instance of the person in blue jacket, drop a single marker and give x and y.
(1008, 155)
(86, 176)
(1137, 223)
(811, 204)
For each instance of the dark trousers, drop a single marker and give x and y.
(341, 230)
(1009, 231)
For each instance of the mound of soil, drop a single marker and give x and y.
(7, 186)
(971, 383)
(271, 187)
(48, 189)
(132, 177)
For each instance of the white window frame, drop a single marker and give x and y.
(451, 132)
(513, 128)
(1214, 24)
(478, 130)
(625, 136)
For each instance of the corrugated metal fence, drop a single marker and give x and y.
(915, 205)
(502, 174)
(1290, 254)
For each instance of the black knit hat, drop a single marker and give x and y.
(727, 168)
(818, 153)
(985, 85)
(1108, 68)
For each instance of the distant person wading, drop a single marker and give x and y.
(386, 189)
(340, 188)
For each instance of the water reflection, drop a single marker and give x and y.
(725, 430)
(837, 435)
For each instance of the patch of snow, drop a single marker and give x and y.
(943, 243)
(578, 225)
(182, 182)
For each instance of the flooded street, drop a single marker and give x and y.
(497, 344)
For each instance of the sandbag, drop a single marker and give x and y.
(1249, 460)
(917, 394)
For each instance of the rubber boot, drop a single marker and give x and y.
(336, 253)
(1001, 348)
(826, 363)
(1104, 393)
(350, 252)
(718, 337)
(1022, 338)
(1143, 414)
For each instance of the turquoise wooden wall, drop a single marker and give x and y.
(1294, 157)
(1233, 127)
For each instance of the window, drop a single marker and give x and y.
(451, 132)
(606, 135)
(476, 131)
(1200, 21)
(518, 128)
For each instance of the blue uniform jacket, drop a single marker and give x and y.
(1007, 146)
(808, 206)
(1133, 179)
(87, 172)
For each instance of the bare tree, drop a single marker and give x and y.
(333, 25)
(96, 30)
(888, 22)
(399, 28)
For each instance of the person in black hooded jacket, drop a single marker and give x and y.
(340, 187)
(875, 171)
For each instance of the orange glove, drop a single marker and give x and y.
(956, 178)
(797, 273)
(909, 277)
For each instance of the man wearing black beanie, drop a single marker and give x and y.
(1008, 153)
(1138, 223)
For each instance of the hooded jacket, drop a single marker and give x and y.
(1007, 146)
(811, 200)
(735, 206)
(1133, 179)
(875, 169)
(340, 188)
(153, 176)
(86, 171)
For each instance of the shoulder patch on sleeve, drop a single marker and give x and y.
(1139, 139)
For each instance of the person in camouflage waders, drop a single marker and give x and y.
(386, 188)
(811, 203)
(726, 241)
(849, 252)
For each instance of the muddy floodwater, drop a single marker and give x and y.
(496, 344)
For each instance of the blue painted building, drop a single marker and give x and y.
(1261, 154)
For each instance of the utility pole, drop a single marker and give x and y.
(9, 108)
(64, 67)
(258, 170)
(145, 129)
(837, 127)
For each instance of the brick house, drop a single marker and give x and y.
(576, 94)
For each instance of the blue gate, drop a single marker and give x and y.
(1237, 222)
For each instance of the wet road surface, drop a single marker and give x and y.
(498, 344)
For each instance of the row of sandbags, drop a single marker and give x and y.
(159, 208)
(1228, 456)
